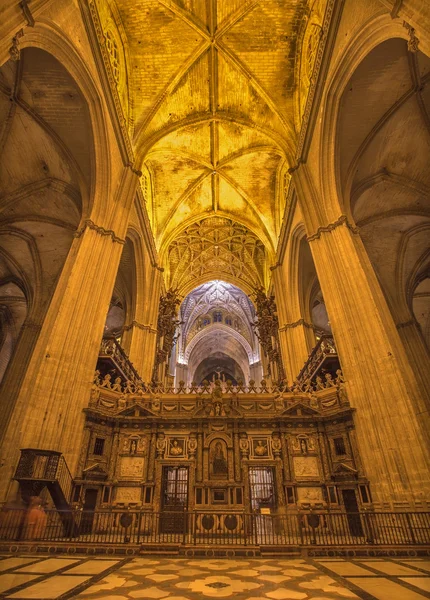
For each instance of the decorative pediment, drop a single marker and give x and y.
(299, 410)
(136, 410)
(95, 472)
(344, 471)
(217, 409)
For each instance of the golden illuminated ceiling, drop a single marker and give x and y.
(215, 96)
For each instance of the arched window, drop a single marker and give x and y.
(217, 317)
(228, 320)
(206, 321)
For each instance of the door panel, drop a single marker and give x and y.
(174, 499)
(351, 507)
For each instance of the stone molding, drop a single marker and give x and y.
(296, 324)
(89, 224)
(342, 220)
(410, 323)
(98, 41)
(139, 326)
(323, 53)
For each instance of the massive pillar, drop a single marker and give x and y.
(143, 330)
(391, 419)
(48, 410)
(296, 335)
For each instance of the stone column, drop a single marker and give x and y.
(391, 418)
(114, 454)
(144, 329)
(286, 458)
(296, 339)
(237, 471)
(323, 456)
(151, 457)
(48, 410)
(296, 336)
(418, 354)
(199, 469)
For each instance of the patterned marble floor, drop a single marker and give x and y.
(37, 577)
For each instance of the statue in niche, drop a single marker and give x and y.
(175, 448)
(133, 446)
(219, 461)
(303, 446)
(260, 448)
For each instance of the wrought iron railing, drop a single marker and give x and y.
(318, 528)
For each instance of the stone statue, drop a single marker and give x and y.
(129, 387)
(303, 446)
(97, 377)
(296, 387)
(117, 386)
(260, 449)
(106, 383)
(175, 448)
(307, 386)
(276, 445)
(219, 462)
(319, 384)
(339, 377)
(329, 381)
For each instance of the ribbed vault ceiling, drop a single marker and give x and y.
(212, 87)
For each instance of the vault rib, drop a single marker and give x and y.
(186, 66)
(229, 55)
(185, 16)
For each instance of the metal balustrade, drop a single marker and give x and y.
(198, 528)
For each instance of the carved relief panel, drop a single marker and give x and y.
(131, 467)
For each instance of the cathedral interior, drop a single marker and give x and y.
(215, 272)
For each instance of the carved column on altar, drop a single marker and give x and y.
(199, 468)
(151, 458)
(285, 459)
(114, 453)
(266, 329)
(237, 471)
(167, 324)
(323, 453)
